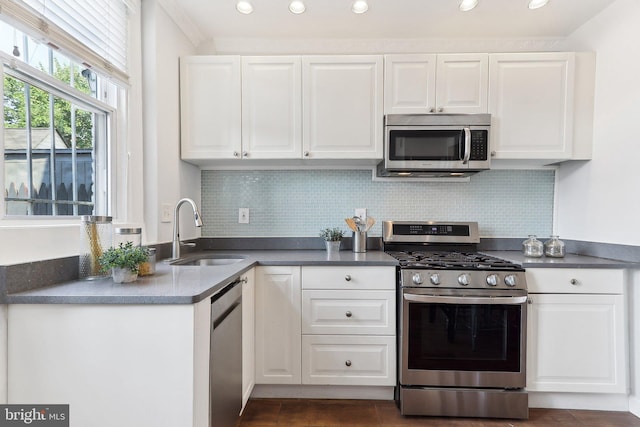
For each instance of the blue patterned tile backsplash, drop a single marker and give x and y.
(298, 203)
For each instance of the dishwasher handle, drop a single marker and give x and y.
(224, 302)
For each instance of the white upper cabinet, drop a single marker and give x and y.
(531, 99)
(448, 83)
(342, 107)
(210, 107)
(271, 107)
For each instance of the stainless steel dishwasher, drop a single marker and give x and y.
(225, 366)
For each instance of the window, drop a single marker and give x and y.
(59, 109)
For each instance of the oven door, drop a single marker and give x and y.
(455, 338)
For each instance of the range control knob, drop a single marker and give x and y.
(417, 279)
(492, 280)
(434, 279)
(510, 280)
(463, 279)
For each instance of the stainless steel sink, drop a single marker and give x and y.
(209, 260)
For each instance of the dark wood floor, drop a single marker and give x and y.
(360, 413)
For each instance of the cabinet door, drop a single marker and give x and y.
(278, 330)
(462, 82)
(210, 107)
(271, 107)
(409, 84)
(248, 336)
(342, 107)
(531, 102)
(576, 343)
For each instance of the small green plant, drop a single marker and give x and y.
(331, 234)
(124, 256)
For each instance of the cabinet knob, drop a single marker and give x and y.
(236, 154)
(306, 154)
(440, 110)
(245, 154)
(348, 314)
(347, 278)
(574, 282)
(493, 154)
(348, 363)
(432, 110)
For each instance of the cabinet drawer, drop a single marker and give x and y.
(576, 280)
(348, 312)
(348, 360)
(348, 277)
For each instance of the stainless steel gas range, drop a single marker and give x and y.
(462, 321)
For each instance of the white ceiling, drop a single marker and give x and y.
(387, 19)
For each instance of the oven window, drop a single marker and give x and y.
(464, 337)
(425, 145)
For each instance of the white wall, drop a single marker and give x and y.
(598, 200)
(167, 178)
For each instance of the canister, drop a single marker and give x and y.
(124, 235)
(149, 267)
(95, 238)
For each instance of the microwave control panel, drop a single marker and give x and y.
(479, 145)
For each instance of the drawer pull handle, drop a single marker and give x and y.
(348, 314)
(347, 278)
(574, 281)
(348, 363)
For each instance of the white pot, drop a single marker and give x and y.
(123, 275)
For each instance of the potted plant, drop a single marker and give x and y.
(124, 261)
(332, 238)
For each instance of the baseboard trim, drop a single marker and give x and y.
(634, 405)
(594, 401)
(262, 391)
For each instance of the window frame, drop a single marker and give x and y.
(29, 74)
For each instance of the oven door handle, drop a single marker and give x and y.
(467, 146)
(438, 299)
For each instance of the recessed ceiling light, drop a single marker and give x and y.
(467, 5)
(297, 7)
(535, 4)
(359, 6)
(244, 7)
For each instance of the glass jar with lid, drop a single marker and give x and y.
(532, 247)
(554, 247)
(124, 235)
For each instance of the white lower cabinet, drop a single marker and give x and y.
(348, 326)
(115, 365)
(577, 331)
(277, 325)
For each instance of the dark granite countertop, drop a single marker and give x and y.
(172, 284)
(569, 261)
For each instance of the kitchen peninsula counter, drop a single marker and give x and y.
(182, 284)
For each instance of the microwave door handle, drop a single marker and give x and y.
(437, 299)
(467, 145)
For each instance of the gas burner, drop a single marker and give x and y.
(452, 260)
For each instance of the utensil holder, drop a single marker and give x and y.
(359, 241)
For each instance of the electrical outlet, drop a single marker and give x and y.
(361, 213)
(165, 214)
(243, 216)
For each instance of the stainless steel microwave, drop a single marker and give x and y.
(436, 144)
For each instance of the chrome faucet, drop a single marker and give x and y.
(175, 247)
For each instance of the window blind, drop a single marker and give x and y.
(96, 32)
